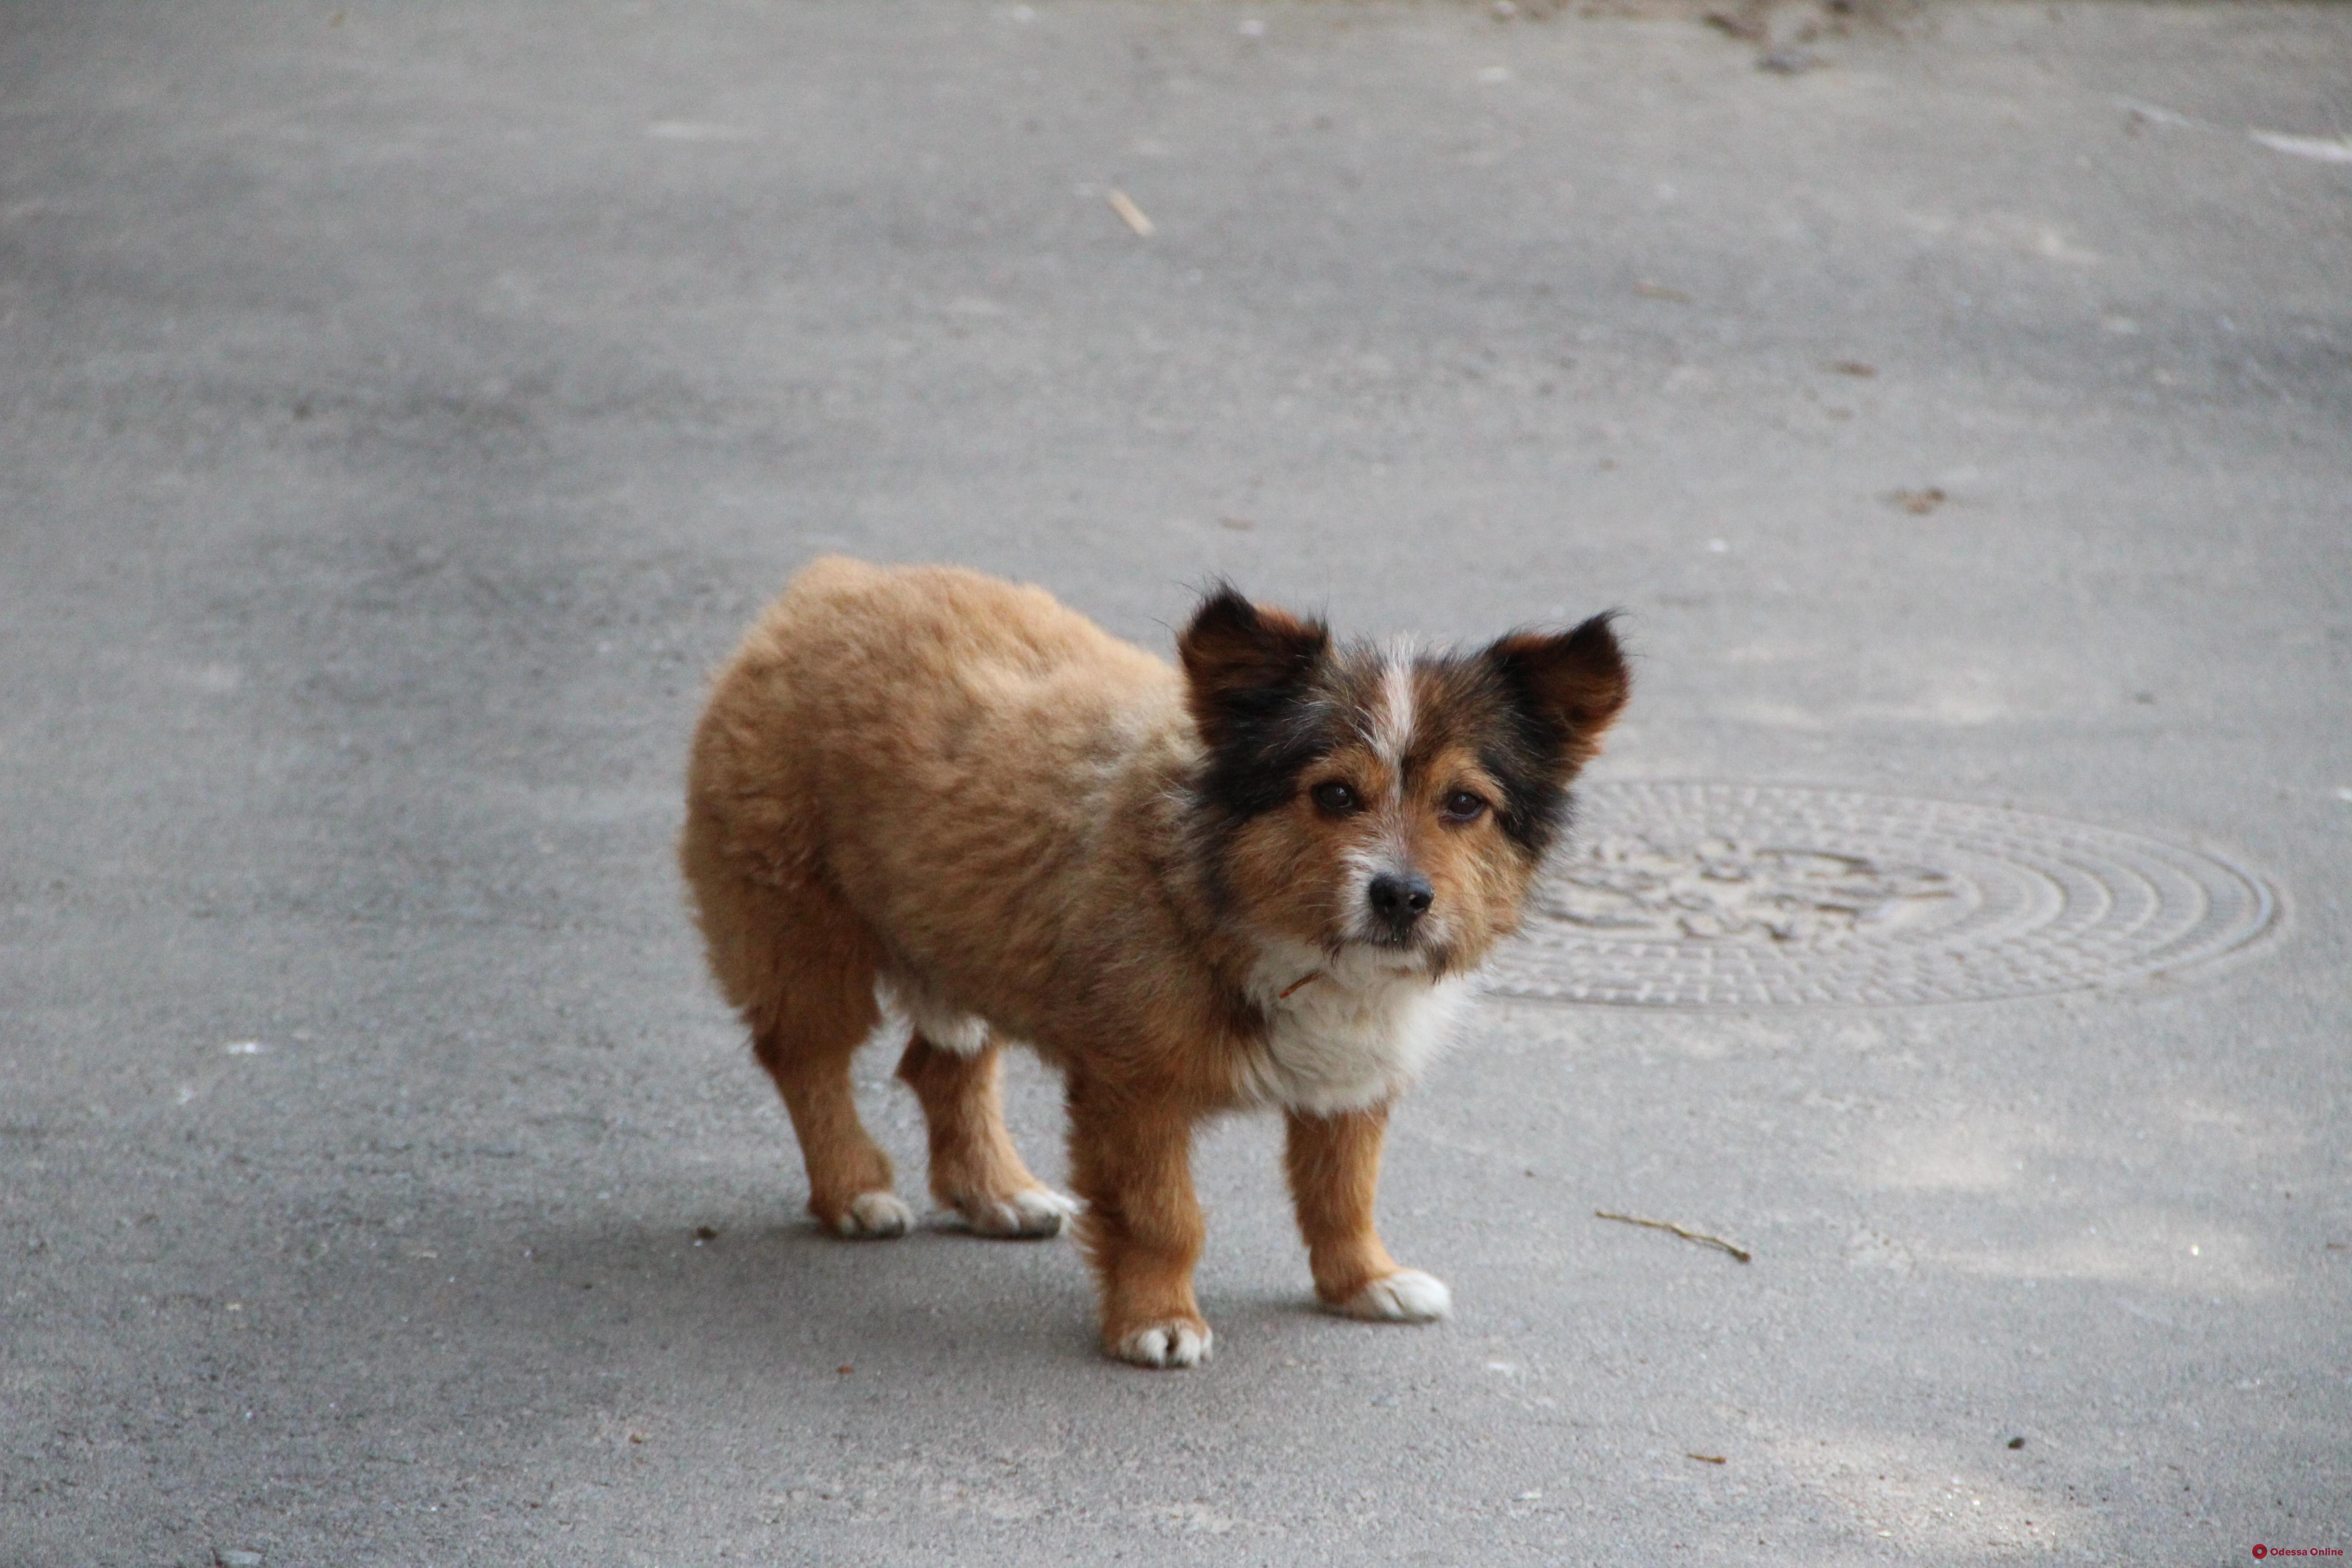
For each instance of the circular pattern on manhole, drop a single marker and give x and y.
(1692, 895)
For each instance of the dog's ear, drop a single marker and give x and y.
(1241, 660)
(1574, 684)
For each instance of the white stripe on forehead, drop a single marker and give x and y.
(1393, 724)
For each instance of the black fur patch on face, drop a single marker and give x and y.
(1471, 703)
(1259, 684)
(1563, 690)
(1255, 765)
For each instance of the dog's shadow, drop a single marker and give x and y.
(776, 1292)
(745, 1272)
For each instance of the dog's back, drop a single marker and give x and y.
(922, 750)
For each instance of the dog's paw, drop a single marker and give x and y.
(1407, 1296)
(873, 1217)
(1178, 1342)
(1029, 1214)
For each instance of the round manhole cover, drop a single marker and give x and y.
(1689, 895)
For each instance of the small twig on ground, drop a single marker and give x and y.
(1699, 1237)
(1129, 213)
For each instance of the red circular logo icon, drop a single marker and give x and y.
(2261, 1551)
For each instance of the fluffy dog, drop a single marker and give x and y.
(1263, 880)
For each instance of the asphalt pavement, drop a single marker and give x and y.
(403, 408)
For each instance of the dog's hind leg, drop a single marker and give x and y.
(799, 966)
(849, 1176)
(975, 1169)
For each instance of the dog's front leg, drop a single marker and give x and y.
(1131, 1159)
(1333, 1164)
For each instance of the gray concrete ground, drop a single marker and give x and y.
(400, 408)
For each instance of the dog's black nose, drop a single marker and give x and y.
(1401, 900)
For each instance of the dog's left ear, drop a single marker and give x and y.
(1242, 660)
(1574, 683)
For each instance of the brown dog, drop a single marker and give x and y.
(1263, 881)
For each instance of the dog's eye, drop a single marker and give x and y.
(1335, 797)
(1463, 807)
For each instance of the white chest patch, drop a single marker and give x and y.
(1352, 1037)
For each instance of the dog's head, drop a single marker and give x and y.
(1387, 809)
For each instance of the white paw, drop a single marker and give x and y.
(1407, 1296)
(875, 1216)
(1038, 1212)
(1167, 1345)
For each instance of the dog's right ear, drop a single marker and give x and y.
(1241, 660)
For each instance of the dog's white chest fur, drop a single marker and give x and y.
(1352, 1037)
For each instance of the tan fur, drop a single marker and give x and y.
(960, 791)
(1334, 1165)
